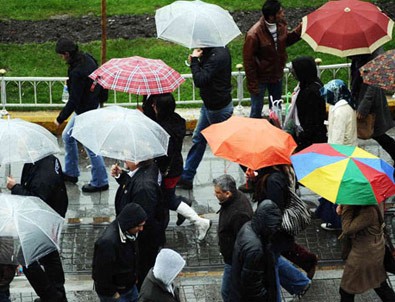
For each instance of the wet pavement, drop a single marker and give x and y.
(88, 215)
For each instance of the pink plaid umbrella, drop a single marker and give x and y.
(137, 75)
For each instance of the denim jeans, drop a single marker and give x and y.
(98, 171)
(275, 90)
(289, 277)
(130, 296)
(226, 282)
(195, 154)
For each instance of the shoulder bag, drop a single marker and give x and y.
(389, 256)
(296, 217)
(365, 126)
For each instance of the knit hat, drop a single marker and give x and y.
(131, 216)
(65, 45)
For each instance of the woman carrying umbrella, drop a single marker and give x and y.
(371, 99)
(342, 130)
(171, 166)
(364, 267)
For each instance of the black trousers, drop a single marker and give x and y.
(385, 292)
(46, 276)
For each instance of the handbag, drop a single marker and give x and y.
(296, 217)
(389, 255)
(365, 126)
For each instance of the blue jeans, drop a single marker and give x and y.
(195, 154)
(226, 282)
(98, 171)
(275, 90)
(289, 277)
(130, 296)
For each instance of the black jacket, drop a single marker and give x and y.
(153, 290)
(44, 179)
(233, 214)
(143, 189)
(310, 104)
(253, 265)
(172, 164)
(114, 267)
(213, 74)
(81, 98)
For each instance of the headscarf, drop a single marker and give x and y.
(337, 90)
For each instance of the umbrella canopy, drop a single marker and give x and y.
(137, 75)
(344, 174)
(195, 24)
(254, 143)
(121, 133)
(347, 27)
(25, 142)
(380, 71)
(29, 229)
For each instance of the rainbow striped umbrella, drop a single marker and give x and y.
(344, 174)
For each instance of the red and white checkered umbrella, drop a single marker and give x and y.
(137, 75)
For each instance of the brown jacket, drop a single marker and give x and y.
(364, 267)
(263, 63)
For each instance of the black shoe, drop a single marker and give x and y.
(88, 188)
(72, 179)
(180, 218)
(185, 184)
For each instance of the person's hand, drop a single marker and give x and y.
(339, 210)
(56, 123)
(11, 182)
(251, 174)
(116, 296)
(197, 53)
(360, 115)
(115, 170)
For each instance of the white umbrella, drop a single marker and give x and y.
(195, 24)
(25, 142)
(121, 133)
(29, 229)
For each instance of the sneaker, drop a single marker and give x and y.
(88, 188)
(329, 227)
(185, 184)
(72, 179)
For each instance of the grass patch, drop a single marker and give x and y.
(44, 9)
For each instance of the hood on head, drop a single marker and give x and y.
(65, 45)
(305, 69)
(168, 265)
(131, 216)
(267, 218)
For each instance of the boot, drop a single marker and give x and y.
(202, 225)
(180, 218)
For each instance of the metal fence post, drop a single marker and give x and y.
(240, 90)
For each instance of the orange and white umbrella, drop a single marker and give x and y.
(254, 143)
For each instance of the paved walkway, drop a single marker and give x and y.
(88, 214)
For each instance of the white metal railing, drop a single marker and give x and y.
(39, 91)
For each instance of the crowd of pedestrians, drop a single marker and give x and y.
(130, 261)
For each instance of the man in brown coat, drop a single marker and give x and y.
(264, 54)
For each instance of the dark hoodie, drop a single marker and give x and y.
(311, 106)
(115, 257)
(253, 265)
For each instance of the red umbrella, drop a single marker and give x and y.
(347, 27)
(254, 143)
(380, 71)
(137, 75)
